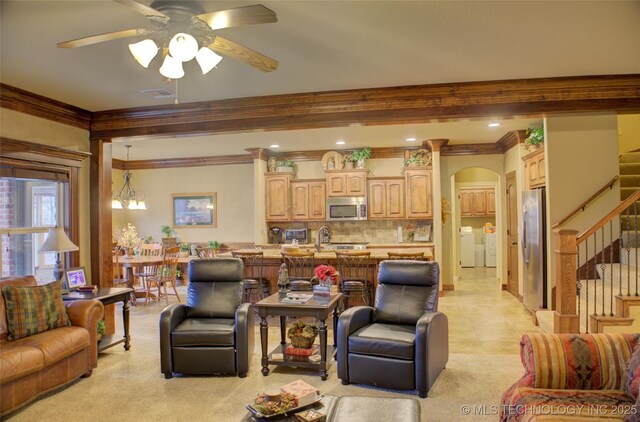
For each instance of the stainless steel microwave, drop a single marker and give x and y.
(346, 209)
(301, 235)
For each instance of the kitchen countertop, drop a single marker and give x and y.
(378, 251)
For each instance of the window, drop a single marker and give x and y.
(30, 207)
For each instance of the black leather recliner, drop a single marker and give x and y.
(213, 332)
(402, 342)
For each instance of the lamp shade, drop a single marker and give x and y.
(57, 241)
(171, 68)
(183, 47)
(207, 59)
(144, 51)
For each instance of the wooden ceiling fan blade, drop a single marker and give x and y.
(238, 16)
(244, 54)
(149, 12)
(109, 36)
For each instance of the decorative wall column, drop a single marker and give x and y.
(259, 194)
(436, 145)
(100, 217)
(566, 319)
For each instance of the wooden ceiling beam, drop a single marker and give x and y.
(376, 106)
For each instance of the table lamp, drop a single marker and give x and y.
(57, 241)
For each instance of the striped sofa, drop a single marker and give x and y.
(574, 377)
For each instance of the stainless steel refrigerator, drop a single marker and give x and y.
(534, 242)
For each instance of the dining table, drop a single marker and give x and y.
(129, 263)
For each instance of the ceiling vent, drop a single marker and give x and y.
(158, 93)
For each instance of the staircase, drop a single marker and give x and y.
(629, 183)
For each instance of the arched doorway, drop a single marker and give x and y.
(476, 218)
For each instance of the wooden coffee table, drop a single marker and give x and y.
(319, 307)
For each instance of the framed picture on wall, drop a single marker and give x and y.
(194, 210)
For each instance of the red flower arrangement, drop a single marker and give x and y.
(326, 274)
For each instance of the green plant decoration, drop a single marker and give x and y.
(167, 230)
(185, 247)
(302, 329)
(361, 154)
(101, 328)
(213, 244)
(535, 136)
(285, 163)
(414, 159)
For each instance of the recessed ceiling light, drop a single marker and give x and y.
(494, 124)
(340, 143)
(274, 146)
(411, 139)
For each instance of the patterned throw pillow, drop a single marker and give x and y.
(34, 309)
(632, 374)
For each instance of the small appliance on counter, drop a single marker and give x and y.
(275, 235)
(301, 235)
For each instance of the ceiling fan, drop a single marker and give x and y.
(184, 30)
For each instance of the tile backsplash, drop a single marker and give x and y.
(377, 231)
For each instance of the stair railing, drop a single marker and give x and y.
(589, 277)
(582, 206)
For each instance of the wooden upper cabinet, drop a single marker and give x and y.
(347, 182)
(491, 201)
(278, 197)
(419, 196)
(534, 169)
(308, 200)
(386, 199)
(477, 202)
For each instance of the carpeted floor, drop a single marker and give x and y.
(485, 327)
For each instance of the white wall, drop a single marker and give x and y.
(581, 156)
(233, 185)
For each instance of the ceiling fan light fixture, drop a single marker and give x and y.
(171, 68)
(207, 59)
(144, 51)
(183, 47)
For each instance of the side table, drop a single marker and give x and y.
(108, 296)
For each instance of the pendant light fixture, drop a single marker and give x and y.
(126, 196)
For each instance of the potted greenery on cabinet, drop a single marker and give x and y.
(534, 138)
(285, 166)
(360, 155)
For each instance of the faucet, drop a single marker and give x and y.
(322, 230)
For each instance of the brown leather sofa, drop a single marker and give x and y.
(402, 342)
(34, 365)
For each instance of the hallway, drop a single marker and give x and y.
(483, 319)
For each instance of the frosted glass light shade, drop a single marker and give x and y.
(144, 51)
(183, 47)
(116, 204)
(137, 205)
(207, 59)
(171, 68)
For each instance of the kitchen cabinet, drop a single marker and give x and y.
(534, 169)
(346, 182)
(477, 202)
(386, 199)
(308, 200)
(277, 187)
(419, 193)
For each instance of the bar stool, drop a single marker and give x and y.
(356, 277)
(300, 266)
(254, 286)
(416, 256)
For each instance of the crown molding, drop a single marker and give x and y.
(376, 106)
(22, 101)
(511, 139)
(471, 149)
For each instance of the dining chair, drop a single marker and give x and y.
(151, 270)
(119, 275)
(254, 286)
(356, 277)
(300, 266)
(205, 252)
(416, 256)
(166, 276)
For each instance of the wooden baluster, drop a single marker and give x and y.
(566, 319)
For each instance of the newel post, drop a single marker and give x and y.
(566, 319)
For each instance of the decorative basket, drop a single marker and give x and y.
(302, 342)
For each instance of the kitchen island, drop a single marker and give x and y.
(273, 258)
